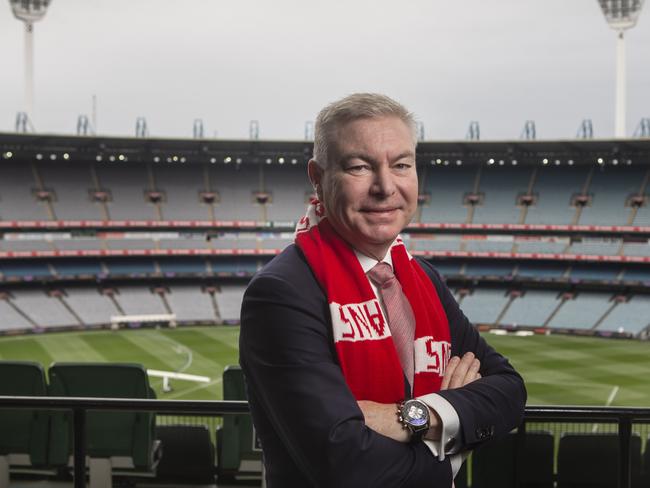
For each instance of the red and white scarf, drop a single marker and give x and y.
(362, 337)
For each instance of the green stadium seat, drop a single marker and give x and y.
(239, 455)
(646, 464)
(591, 461)
(188, 455)
(501, 463)
(23, 433)
(117, 442)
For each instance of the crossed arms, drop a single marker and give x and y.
(313, 431)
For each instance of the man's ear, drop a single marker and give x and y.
(315, 173)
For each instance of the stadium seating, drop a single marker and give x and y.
(235, 185)
(501, 185)
(646, 463)
(610, 187)
(489, 269)
(545, 270)
(591, 460)
(532, 309)
(238, 452)
(191, 305)
(513, 462)
(16, 188)
(24, 433)
(127, 186)
(43, 309)
(554, 187)
(118, 442)
(446, 188)
(290, 189)
(229, 302)
(188, 455)
(484, 305)
(182, 186)
(13, 320)
(582, 312)
(630, 316)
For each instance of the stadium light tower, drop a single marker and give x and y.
(29, 11)
(621, 15)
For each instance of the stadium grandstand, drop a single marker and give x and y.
(535, 238)
(529, 234)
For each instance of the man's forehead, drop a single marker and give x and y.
(372, 135)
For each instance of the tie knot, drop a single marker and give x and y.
(381, 273)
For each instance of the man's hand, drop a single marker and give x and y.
(382, 418)
(461, 372)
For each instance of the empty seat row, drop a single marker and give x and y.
(124, 441)
(119, 443)
(468, 193)
(88, 306)
(583, 461)
(600, 311)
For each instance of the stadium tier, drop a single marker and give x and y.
(94, 229)
(83, 306)
(484, 195)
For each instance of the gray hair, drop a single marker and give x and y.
(354, 107)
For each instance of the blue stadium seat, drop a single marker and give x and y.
(25, 269)
(130, 267)
(183, 266)
(78, 267)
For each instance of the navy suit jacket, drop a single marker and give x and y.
(310, 426)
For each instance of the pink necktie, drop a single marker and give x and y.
(401, 320)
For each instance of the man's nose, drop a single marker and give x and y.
(383, 183)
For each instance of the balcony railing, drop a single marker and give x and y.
(622, 417)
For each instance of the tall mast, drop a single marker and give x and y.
(621, 15)
(29, 12)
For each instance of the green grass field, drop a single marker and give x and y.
(557, 369)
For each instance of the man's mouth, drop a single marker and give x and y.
(379, 210)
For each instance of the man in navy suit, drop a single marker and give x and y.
(313, 430)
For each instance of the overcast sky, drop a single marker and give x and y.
(500, 62)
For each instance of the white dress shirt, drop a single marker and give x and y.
(450, 423)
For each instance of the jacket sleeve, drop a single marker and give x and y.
(493, 405)
(288, 359)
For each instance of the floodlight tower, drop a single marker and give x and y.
(621, 15)
(29, 11)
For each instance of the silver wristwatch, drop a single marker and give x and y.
(414, 416)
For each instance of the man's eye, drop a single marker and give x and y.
(403, 166)
(358, 168)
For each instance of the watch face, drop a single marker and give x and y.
(415, 413)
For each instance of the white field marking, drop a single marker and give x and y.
(610, 399)
(194, 388)
(612, 395)
(178, 376)
(179, 349)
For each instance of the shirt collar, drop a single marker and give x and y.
(367, 263)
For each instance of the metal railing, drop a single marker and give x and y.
(622, 417)
(79, 407)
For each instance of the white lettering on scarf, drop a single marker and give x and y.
(431, 356)
(359, 321)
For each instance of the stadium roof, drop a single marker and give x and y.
(192, 151)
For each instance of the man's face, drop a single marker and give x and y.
(370, 186)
